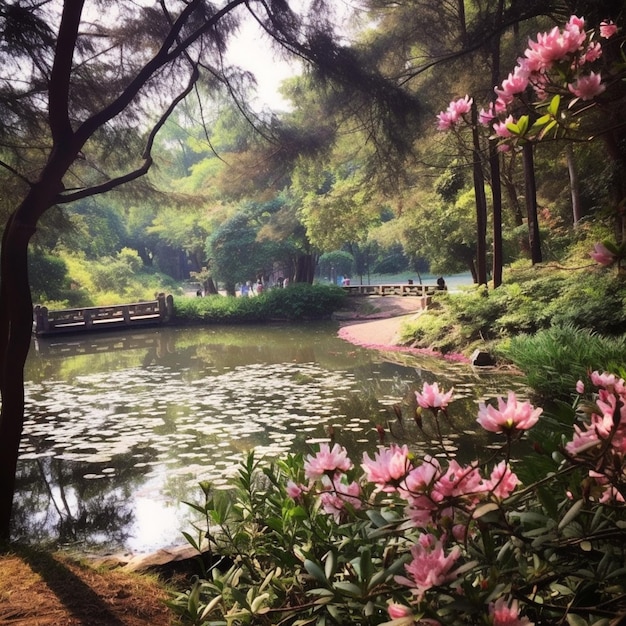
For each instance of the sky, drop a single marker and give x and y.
(253, 52)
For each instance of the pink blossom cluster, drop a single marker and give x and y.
(505, 612)
(510, 415)
(601, 439)
(431, 566)
(327, 469)
(454, 113)
(571, 49)
(431, 398)
(434, 495)
(556, 62)
(602, 255)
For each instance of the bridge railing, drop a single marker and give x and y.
(391, 290)
(93, 318)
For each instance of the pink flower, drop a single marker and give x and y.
(502, 481)
(608, 493)
(454, 113)
(608, 381)
(446, 121)
(337, 495)
(294, 490)
(584, 439)
(515, 83)
(457, 481)
(593, 53)
(580, 387)
(398, 611)
(327, 462)
(388, 466)
(506, 613)
(430, 566)
(485, 117)
(587, 87)
(421, 478)
(608, 28)
(554, 46)
(501, 130)
(432, 398)
(510, 415)
(602, 255)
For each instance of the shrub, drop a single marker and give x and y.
(553, 360)
(296, 302)
(519, 536)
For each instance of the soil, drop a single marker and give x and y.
(375, 321)
(39, 588)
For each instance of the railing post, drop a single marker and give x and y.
(87, 318)
(170, 307)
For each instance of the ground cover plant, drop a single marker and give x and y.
(522, 534)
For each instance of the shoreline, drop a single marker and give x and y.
(384, 334)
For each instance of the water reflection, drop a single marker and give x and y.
(120, 428)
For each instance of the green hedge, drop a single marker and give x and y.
(297, 302)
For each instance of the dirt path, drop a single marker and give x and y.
(375, 321)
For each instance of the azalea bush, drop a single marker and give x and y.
(532, 532)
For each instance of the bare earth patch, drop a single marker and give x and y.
(375, 321)
(44, 589)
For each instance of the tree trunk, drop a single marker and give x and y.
(209, 287)
(534, 239)
(573, 185)
(305, 269)
(496, 194)
(494, 162)
(16, 321)
(481, 203)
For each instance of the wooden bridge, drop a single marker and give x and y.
(97, 318)
(402, 289)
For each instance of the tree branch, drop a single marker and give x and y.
(65, 198)
(59, 86)
(164, 55)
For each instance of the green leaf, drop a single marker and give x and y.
(522, 124)
(553, 107)
(571, 515)
(240, 598)
(330, 564)
(485, 508)
(547, 129)
(348, 588)
(315, 570)
(191, 541)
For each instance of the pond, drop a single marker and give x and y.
(120, 428)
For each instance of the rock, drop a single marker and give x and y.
(480, 358)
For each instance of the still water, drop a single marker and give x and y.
(120, 428)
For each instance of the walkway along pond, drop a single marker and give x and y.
(122, 426)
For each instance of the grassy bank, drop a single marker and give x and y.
(555, 324)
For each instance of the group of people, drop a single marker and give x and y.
(248, 289)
